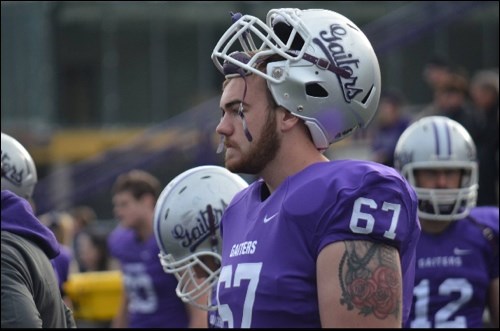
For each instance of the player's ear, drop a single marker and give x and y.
(286, 120)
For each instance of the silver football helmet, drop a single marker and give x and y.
(186, 226)
(441, 143)
(18, 168)
(328, 73)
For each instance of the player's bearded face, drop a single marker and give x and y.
(262, 150)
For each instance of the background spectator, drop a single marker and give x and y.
(61, 224)
(84, 217)
(484, 95)
(93, 251)
(388, 125)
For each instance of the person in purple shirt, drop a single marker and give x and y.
(456, 275)
(149, 299)
(312, 242)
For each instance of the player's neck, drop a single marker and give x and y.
(434, 227)
(291, 159)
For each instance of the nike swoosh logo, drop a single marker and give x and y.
(458, 251)
(266, 219)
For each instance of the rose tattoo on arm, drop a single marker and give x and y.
(369, 279)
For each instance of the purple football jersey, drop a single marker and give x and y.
(151, 292)
(487, 216)
(270, 247)
(453, 273)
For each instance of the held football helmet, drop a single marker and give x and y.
(186, 226)
(327, 73)
(18, 168)
(441, 143)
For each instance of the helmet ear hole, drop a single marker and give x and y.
(316, 90)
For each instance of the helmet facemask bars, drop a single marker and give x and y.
(318, 65)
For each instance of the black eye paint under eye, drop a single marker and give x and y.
(245, 127)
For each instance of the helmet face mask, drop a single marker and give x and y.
(187, 228)
(195, 275)
(327, 73)
(18, 168)
(439, 143)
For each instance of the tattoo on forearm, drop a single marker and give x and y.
(369, 279)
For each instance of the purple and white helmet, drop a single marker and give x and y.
(438, 142)
(187, 228)
(328, 73)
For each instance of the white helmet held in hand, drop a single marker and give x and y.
(438, 142)
(326, 71)
(186, 226)
(18, 168)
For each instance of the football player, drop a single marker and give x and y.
(456, 275)
(312, 243)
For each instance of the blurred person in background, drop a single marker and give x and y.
(84, 217)
(301, 243)
(484, 95)
(95, 292)
(149, 298)
(30, 293)
(436, 72)
(452, 100)
(456, 275)
(388, 125)
(61, 224)
(93, 251)
(95, 260)
(193, 203)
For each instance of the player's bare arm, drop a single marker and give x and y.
(359, 285)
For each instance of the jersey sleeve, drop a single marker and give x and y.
(488, 218)
(374, 203)
(375, 206)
